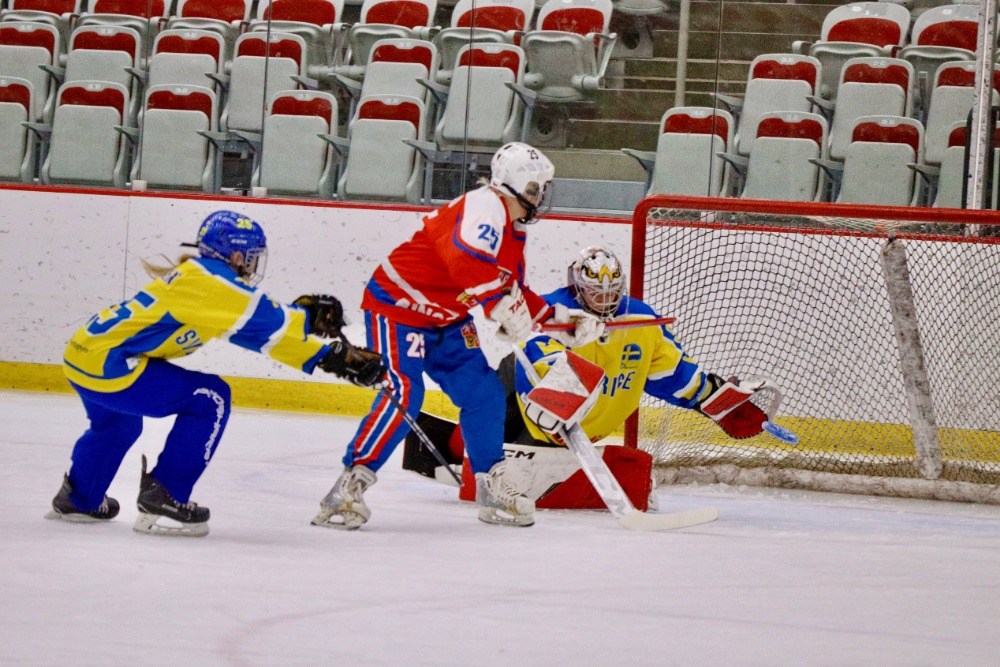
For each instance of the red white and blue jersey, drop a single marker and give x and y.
(467, 254)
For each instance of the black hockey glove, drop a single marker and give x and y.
(359, 365)
(326, 315)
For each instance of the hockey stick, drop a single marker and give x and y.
(607, 485)
(614, 324)
(419, 432)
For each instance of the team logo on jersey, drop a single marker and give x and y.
(631, 355)
(470, 335)
(467, 300)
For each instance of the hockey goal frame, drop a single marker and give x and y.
(883, 224)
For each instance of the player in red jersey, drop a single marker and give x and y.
(469, 253)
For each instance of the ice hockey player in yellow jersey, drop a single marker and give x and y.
(119, 364)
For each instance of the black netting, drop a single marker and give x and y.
(804, 302)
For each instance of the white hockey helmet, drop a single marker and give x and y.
(526, 173)
(596, 281)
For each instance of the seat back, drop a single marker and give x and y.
(57, 13)
(295, 159)
(580, 17)
(186, 57)
(221, 16)
(481, 110)
(387, 19)
(17, 149)
(876, 167)
(283, 57)
(395, 66)
(876, 23)
(173, 154)
(496, 21)
(24, 48)
(85, 147)
(954, 26)
(952, 174)
(687, 161)
(312, 20)
(103, 53)
(952, 97)
(856, 30)
(779, 166)
(776, 82)
(869, 86)
(140, 15)
(380, 165)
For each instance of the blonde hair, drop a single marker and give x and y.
(159, 270)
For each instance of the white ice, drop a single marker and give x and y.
(781, 578)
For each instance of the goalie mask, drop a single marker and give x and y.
(597, 282)
(236, 240)
(525, 173)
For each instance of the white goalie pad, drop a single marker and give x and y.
(537, 470)
(565, 394)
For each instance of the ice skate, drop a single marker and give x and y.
(160, 514)
(344, 506)
(499, 501)
(64, 509)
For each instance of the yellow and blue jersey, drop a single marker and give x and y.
(199, 300)
(641, 359)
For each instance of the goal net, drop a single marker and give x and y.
(881, 325)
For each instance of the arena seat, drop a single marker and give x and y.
(869, 87)
(878, 165)
(496, 21)
(27, 47)
(396, 66)
(941, 34)
(297, 157)
(569, 49)
(104, 53)
(247, 89)
(784, 159)
(951, 100)
(187, 57)
(143, 16)
(58, 13)
(86, 146)
(687, 160)
(387, 19)
(317, 22)
(855, 30)
(222, 16)
(776, 82)
(17, 151)
(951, 174)
(379, 164)
(174, 152)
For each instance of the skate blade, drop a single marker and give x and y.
(498, 518)
(349, 520)
(53, 515)
(150, 524)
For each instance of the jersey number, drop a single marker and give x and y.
(489, 234)
(121, 312)
(416, 341)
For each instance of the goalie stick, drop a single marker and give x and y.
(607, 485)
(614, 324)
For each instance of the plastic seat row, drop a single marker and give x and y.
(884, 161)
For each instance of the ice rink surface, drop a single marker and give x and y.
(782, 578)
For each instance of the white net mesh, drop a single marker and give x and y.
(889, 368)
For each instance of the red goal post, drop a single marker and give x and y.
(881, 325)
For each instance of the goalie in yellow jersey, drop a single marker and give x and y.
(634, 360)
(118, 363)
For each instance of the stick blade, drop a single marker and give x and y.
(637, 520)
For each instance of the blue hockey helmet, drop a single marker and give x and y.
(224, 233)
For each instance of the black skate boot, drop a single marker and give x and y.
(160, 514)
(64, 509)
